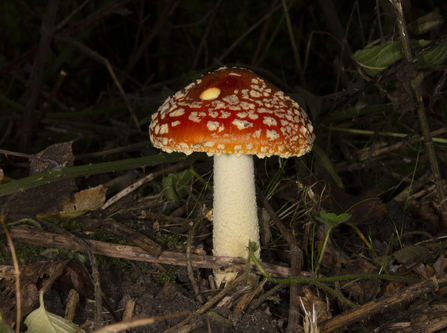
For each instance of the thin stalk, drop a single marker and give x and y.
(203, 181)
(296, 55)
(421, 110)
(87, 170)
(318, 282)
(392, 134)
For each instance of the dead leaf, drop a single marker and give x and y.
(45, 199)
(442, 291)
(311, 302)
(408, 79)
(33, 278)
(440, 265)
(76, 276)
(83, 201)
(411, 254)
(425, 23)
(402, 99)
(429, 271)
(59, 152)
(333, 257)
(391, 287)
(427, 213)
(370, 287)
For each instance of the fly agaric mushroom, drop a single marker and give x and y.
(232, 114)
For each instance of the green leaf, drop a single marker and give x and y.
(174, 185)
(331, 219)
(358, 111)
(169, 191)
(309, 102)
(4, 327)
(184, 179)
(87, 170)
(433, 57)
(253, 246)
(327, 164)
(375, 59)
(41, 321)
(145, 120)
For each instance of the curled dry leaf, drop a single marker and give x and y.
(312, 303)
(411, 254)
(33, 278)
(440, 265)
(84, 201)
(76, 276)
(43, 200)
(363, 290)
(425, 23)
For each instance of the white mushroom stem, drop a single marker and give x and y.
(235, 217)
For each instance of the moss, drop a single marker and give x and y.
(64, 222)
(71, 225)
(26, 255)
(172, 241)
(169, 275)
(125, 267)
(143, 267)
(110, 238)
(5, 257)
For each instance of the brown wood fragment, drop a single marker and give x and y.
(33, 236)
(132, 236)
(371, 308)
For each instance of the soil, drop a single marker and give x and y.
(154, 298)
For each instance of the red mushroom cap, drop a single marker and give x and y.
(232, 111)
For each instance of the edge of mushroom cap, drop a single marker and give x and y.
(305, 141)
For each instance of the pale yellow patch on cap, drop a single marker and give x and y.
(210, 94)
